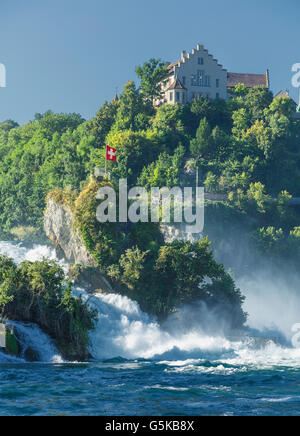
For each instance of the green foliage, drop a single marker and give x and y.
(160, 277)
(8, 125)
(12, 345)
(131, 265)
(133, 112)
(247, 139)
(134, 151)
(246, 148)
(103, 122)
(202, 145)
(36, 292)
(152, 75)
(256, 100)
(36, 158)
(104, 241)
(170, 125)
(239, 91)
(278, 244)
(182, 275)
(166, 171)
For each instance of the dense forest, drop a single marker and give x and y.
(245, 148)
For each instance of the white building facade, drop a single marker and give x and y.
(196, 74)
(199, 74)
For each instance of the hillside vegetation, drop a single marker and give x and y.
(246, 148)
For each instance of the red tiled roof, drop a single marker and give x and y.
(249, 80)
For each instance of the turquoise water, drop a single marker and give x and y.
(148, 388)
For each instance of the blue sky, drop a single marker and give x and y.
(70, 55)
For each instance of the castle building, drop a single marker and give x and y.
(199, 74)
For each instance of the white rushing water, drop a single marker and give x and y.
(123, 330)
(30, 335)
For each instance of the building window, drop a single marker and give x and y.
(194, 80)
(207, 81)
(217, 95)
(171, 96)
(183, 80)
(183, 98)
(218, 83)
(200, 78)
(177, 96)
(200, 61)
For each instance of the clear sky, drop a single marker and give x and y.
(70, 55)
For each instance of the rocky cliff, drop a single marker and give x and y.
(59, 228)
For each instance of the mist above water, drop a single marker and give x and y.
(192, 335)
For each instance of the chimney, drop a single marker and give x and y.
(268, 78)
(183, 54)
(199, 46)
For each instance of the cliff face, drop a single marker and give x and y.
(59, 228)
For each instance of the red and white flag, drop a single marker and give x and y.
(111, 154)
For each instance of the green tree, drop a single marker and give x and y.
(153, 74)
(134, 151)
(132, 112)
(182, 271)
(101, 124)
(257, 100)
(166, 171)
(8, 125)
(36, 292)
(132, 265)
(202, 145)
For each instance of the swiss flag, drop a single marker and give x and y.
(111, 154)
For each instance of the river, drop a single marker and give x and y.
(140, 368)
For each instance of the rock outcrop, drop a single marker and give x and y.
(59, 228)
(90, 279)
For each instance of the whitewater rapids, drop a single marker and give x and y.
(124, 331)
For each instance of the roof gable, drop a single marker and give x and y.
(195, 52)
(176, 85)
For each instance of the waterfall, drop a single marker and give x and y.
(124, 330)
(30, 336)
